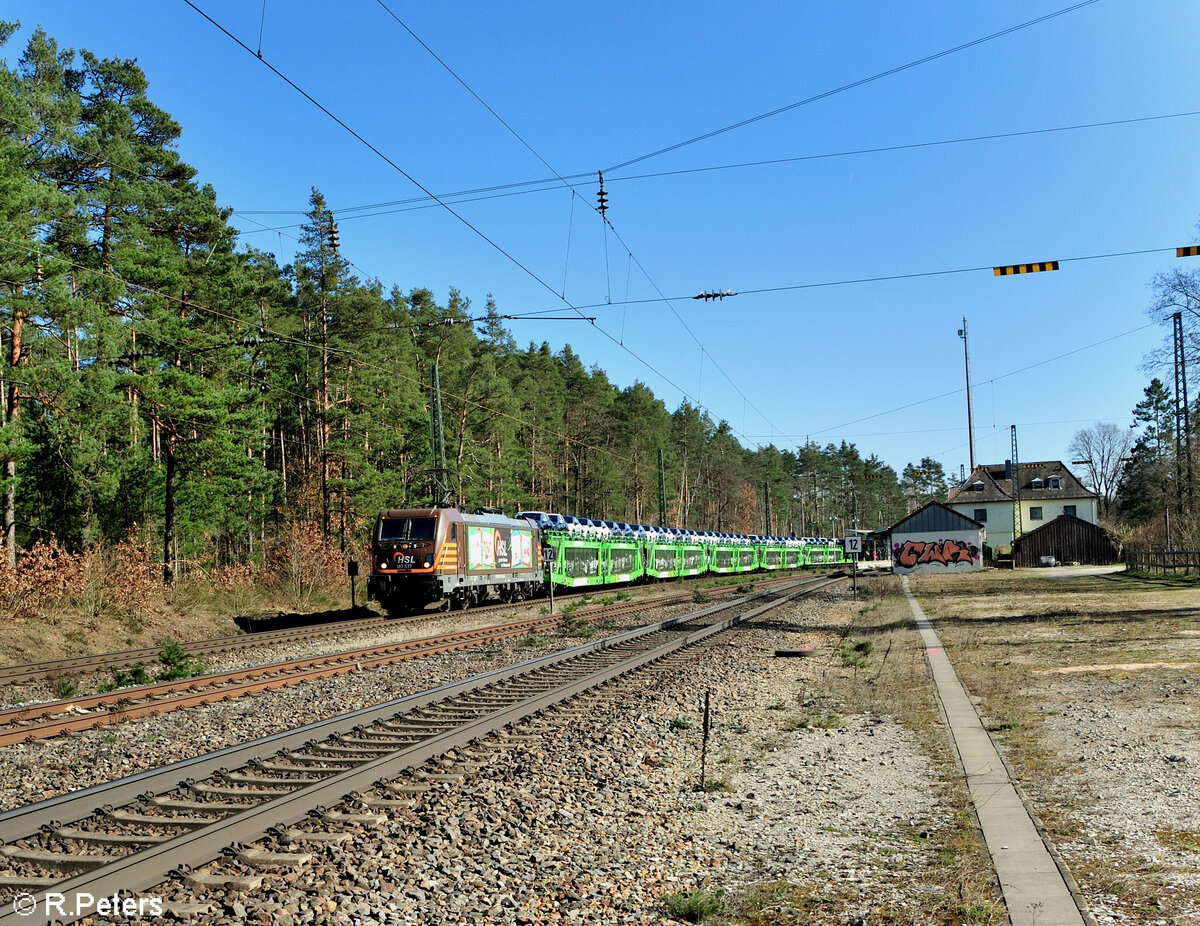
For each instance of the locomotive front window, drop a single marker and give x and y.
(407, 528)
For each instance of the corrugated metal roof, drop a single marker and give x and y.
(933, 517)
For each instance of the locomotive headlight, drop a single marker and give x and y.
(428, 559)
(383, 564)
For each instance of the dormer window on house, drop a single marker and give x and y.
(1038, 484)
(976, 487)
(1054, 482)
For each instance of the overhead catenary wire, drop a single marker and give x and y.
(524, 187)
(890, 72)
(420, 382)
(627, 301)
(994, 379)
(421, 187)
(391, 163)
(856, 281)
(601, 209)
(147, 176)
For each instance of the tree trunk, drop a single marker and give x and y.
(12, 411)
(169, 514)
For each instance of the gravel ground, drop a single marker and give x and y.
(1093, 686)
(1131, 791)
(394, 631)
(836, 820)
(600, 816)
(35, 771)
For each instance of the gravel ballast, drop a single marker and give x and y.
(599, 816)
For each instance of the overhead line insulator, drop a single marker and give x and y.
(602, 196)
(706, 296)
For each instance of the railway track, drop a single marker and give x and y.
(69, 667)
(86, 712)
(184, 815)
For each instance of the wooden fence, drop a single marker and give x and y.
(1183, 562)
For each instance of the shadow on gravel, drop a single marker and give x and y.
(282, 621)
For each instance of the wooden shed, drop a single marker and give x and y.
(1067, 539)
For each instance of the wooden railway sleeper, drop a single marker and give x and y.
(262, 858)
(409, 723)
(305, 760)
(233, 881)
(353, 819)
(402, 736)
(492, 700)
(389, 741)
(358, 746)
(350, 752)
(255, 794)
(294, 836)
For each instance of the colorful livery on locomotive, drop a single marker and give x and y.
(422, 555)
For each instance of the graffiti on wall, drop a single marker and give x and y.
(914, 553)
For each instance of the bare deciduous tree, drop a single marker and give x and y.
(1096, 454)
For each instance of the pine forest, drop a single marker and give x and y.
(183, 412)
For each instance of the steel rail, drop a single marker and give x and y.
(144, 869)
(76, 805)
(123, 702)
(25, 673)
(159, 698)
(122, 659)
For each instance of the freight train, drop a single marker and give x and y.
(420, 556)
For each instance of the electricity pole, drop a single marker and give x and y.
(962, 333)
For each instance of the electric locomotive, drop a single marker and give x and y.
(424, 555)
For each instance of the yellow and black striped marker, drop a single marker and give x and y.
(1190, 251)
(1025, 268)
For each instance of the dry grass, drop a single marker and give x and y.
(890, 679)
(1030, 645)
(112, 597)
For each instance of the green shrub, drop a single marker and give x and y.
(64, 688)
(855, 654)
(694, 906)
(177, 663)
(125, 678)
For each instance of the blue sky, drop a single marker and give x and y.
(592, 87)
